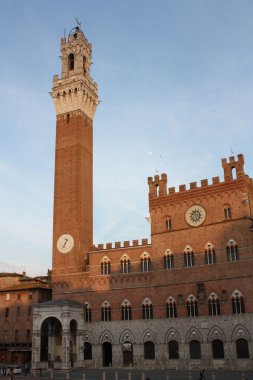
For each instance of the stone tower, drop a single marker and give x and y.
(75, 100)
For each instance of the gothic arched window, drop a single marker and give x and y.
(210, 257)
(227, 212)
(126, 311)
(214, 304)
(87, 313)
(168, 224)
(192, 306)
(189, 260)
(171, 308)
(106, 312)
(147, 309)
(105, 266)
(125, 264)
(168, 259)
(145, 262)
(232, 251)
(237, 303)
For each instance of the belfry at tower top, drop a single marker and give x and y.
(75, 89)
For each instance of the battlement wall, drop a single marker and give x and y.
(119, 245)
(158, 184)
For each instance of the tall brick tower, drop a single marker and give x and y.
(75, 100)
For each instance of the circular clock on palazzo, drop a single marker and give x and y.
(195, 215)
(65, 243)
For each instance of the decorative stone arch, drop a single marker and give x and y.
(145, 255)
(236, 293)
(193, 334)
(148, 335)
(126, 336)
(147, 301)
(60, 313)
(172, 334)
(125, 257)
(106, 336)
(105, 264)
(87, 337)
(188, 249)
(209, 245)
(126, 302)
(216, 333)
(105, 259)
(240, 332)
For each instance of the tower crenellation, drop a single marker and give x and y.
(157, 184)
(231, 164)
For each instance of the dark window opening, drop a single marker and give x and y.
(149, 350)
(195, 350)
(71, 61)
(173, 347)
(217, 349)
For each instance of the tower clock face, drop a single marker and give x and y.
(195, 215)
(65, 243)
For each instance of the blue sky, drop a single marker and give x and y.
(176, 83)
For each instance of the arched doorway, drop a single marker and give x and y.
(107, 354)
(127, 350)
(51, 341)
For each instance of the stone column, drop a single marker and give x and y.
(79, 349)
(36, 349)
(66, 364)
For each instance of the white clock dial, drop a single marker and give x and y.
(65, 243)
(195, 215)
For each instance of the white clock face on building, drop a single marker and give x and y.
(65, 243)
(195, 215)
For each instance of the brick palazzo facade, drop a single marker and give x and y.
(182, 301)
(18, 293)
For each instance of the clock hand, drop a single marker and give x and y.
(66, 240)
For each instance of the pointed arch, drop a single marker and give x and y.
(106, 336)
(147, 335)
(147, 309)
(105, 264)
(239, 332)
(172, 334)
(106, 311)
(237, 300)
(192, 306)
(125, 264)
(215, 333)
(145, 262)
(213, 304)
(168, 259)
(193, 334)
(126, 310)
(87, 312)
(87, 337)
(232, 250)
(210, 255)
(126, 336)
(171, 307)
(189, 259)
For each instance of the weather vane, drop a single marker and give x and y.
(78, 22)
